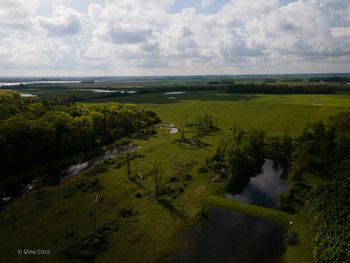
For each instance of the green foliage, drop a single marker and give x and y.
(254, 146)
(239, 161)
(330, 209)
(89, 247)
(285, 202)
(43, 133)
(324, 147)
(91, 186)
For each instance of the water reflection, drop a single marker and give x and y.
(231, 237)
(263, 189)
(75, 169)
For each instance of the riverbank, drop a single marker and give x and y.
(15, 185)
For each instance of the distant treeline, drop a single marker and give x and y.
(279, 89)
(330, 79)
(179, 88)
(34, 132)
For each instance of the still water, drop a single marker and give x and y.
(58, 175)
(264, 188)
(80, 166)
(231, 236)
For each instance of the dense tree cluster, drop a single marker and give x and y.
(324, 148)
(11, 103)
(239, 158)
(280, 89)
(343, 79)
(35, 133)
(330, 206)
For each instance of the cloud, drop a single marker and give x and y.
(205, 3)
(16, 15)
(143, 37)
(65, 21)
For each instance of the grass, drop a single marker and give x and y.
(153, 231)
(271, 113)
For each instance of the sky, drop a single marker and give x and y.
(173, 37)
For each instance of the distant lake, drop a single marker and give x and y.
(111, 91)
(4, 84)
(25, 95)
(175, 93)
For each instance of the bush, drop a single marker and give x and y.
(90, 186)
(202, 170)
(125, 212)
(329, 206)
(138, 195)
(291, 238)
(285, 202)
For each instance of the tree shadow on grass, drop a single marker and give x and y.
(172, 209)
(138, 183)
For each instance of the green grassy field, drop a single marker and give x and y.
(43, 221)
(62, 214)
(271, 113)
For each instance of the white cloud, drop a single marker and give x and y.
(16, 14)
(65, 21)
(141, 37)
(205, 3)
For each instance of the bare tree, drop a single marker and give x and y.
(128, 165)
(157, 177)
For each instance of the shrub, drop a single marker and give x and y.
(285, 202)
(125, 212)
(202, 170)
(291, 238)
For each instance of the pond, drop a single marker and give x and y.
(264, 188)
(171, 130)
(231, 236)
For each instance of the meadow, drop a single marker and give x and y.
(273, 114)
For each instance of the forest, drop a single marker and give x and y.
(35, 132)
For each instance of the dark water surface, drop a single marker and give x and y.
(58, 175)
(264, 188)
(231, 237)
(80, 166)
